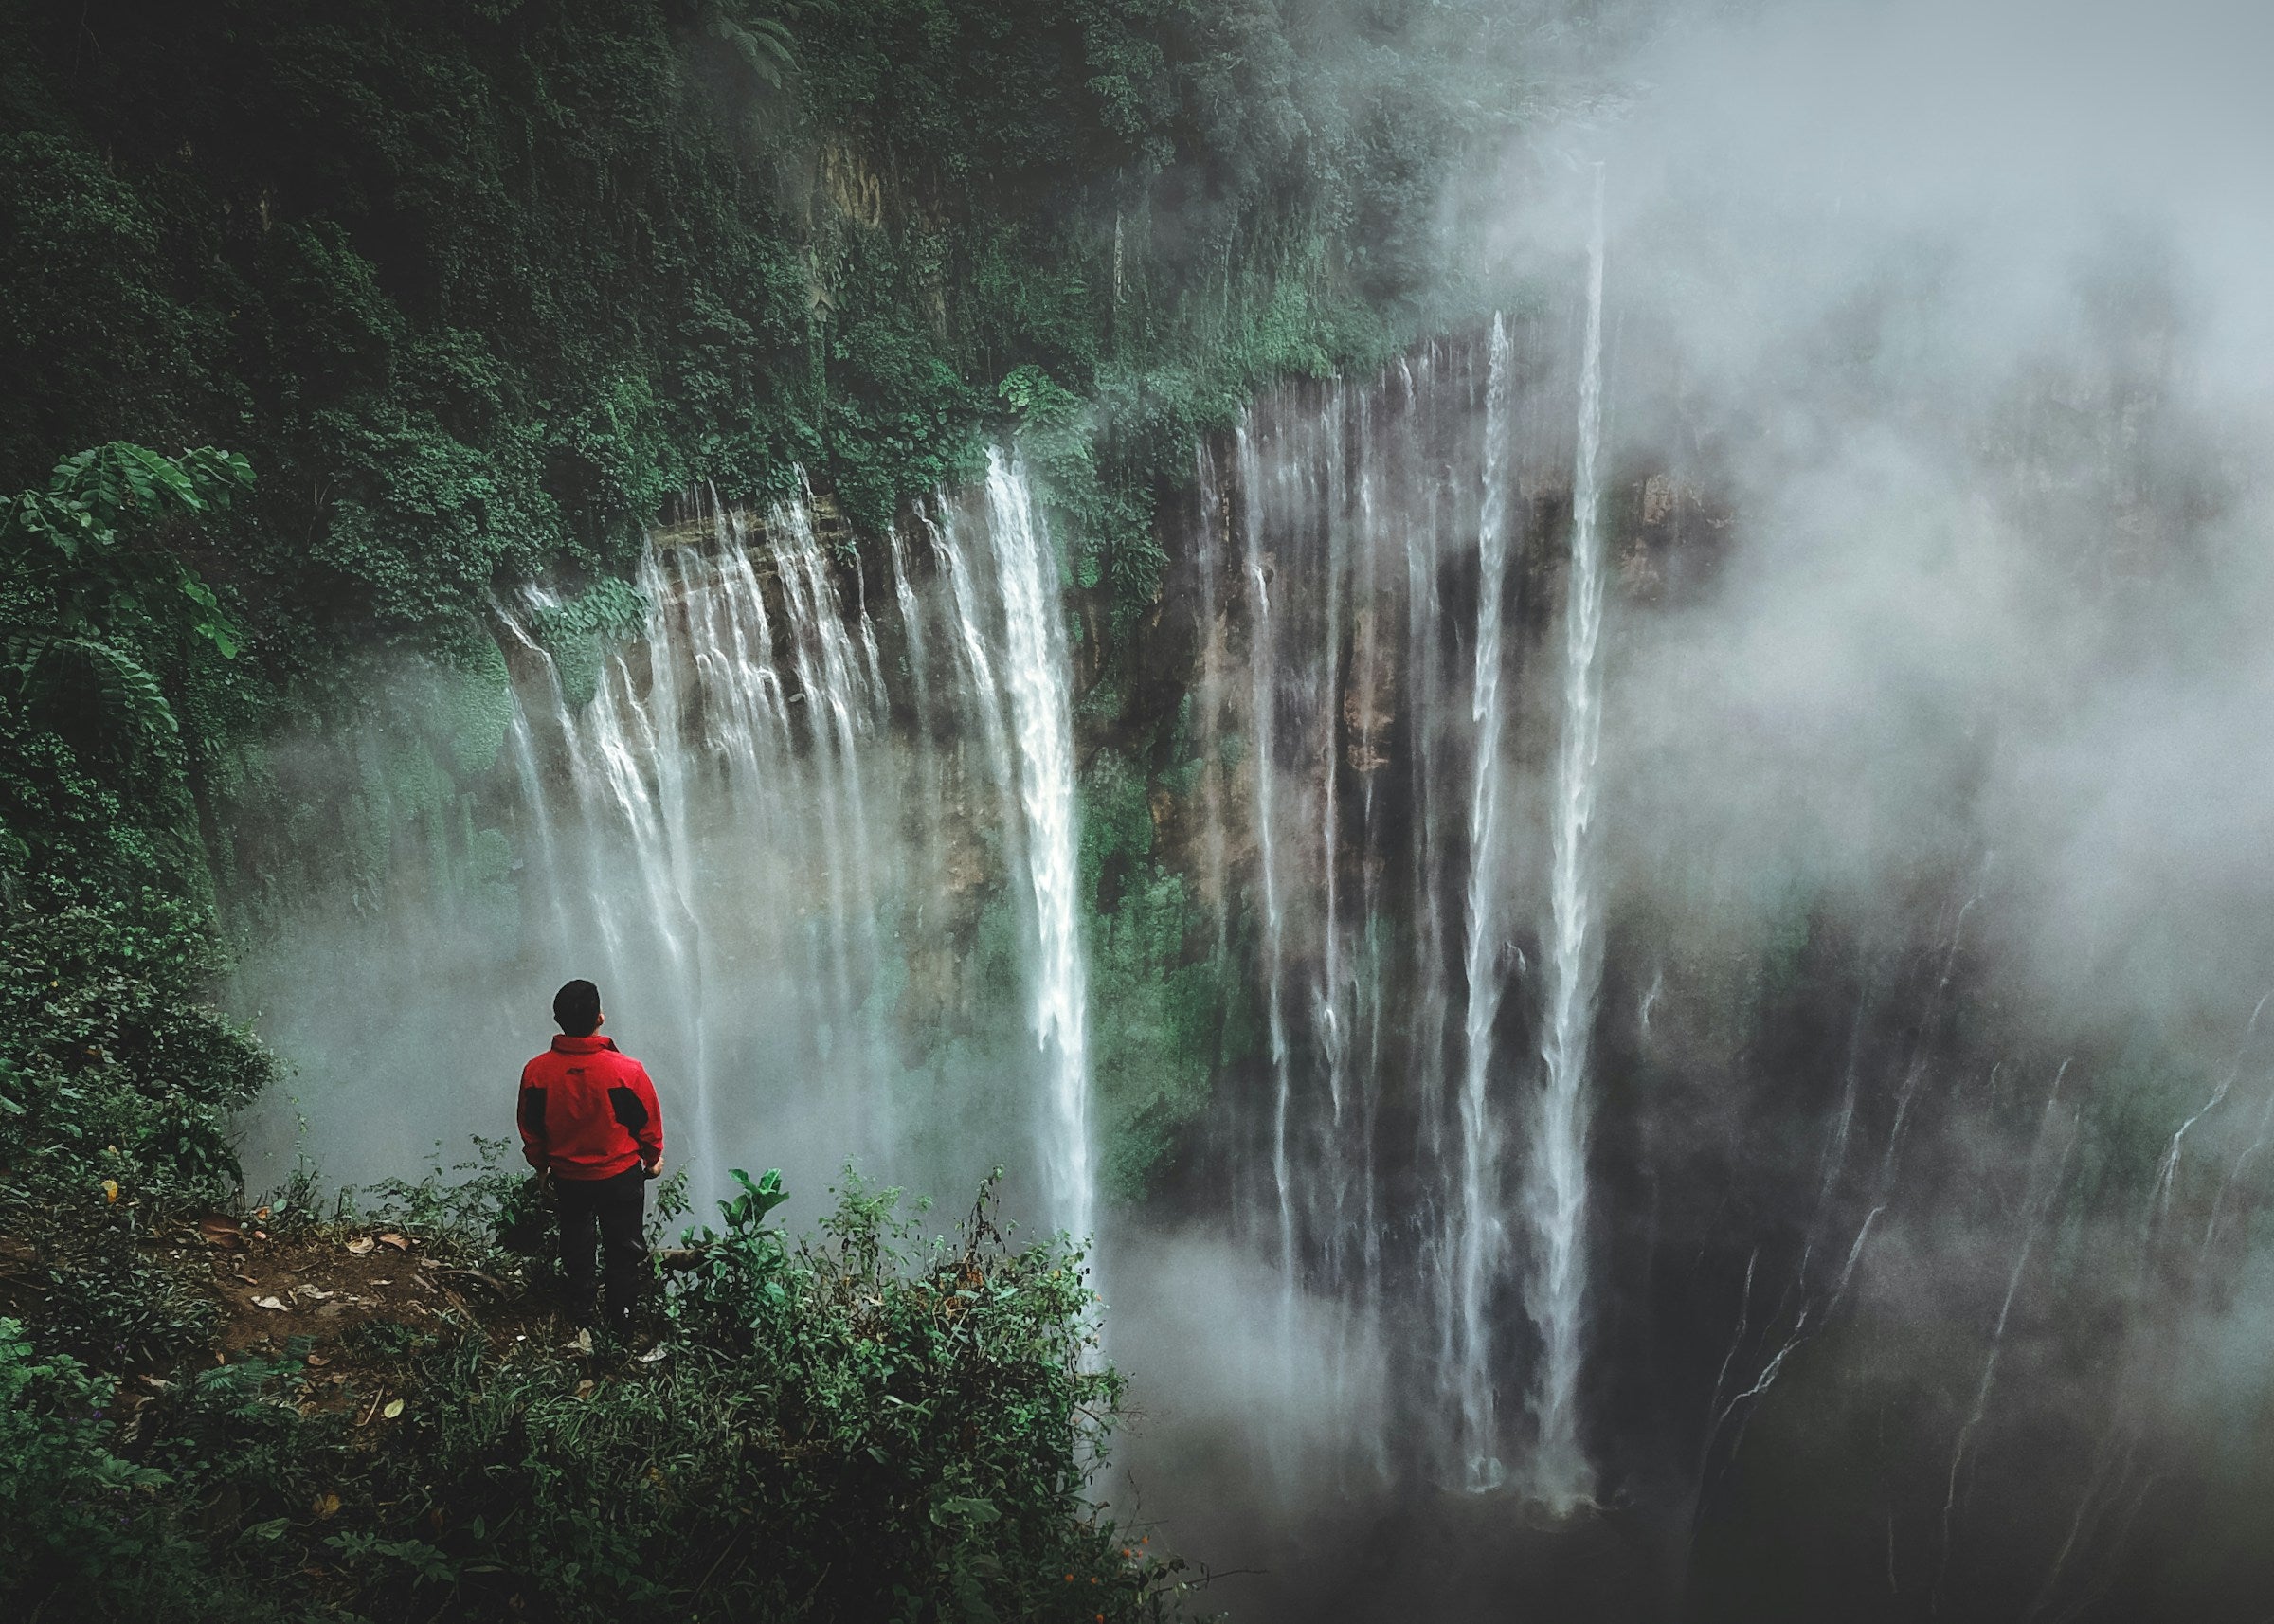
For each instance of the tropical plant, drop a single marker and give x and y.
(90, 577)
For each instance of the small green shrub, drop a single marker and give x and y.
(75, 1517)
(863, 1425)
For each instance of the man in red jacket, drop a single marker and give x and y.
(590, 1120)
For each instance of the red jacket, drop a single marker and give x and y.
(588, 1111)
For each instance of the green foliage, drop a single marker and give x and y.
(462, 1210)
(609, 607)
(762, 43)
(484, 288)
(116, 1091)
(468, 708)
(1159, 1014)
(576, 633)
(1157, 1006)
(68, 1504)
(80, 587)
(117, 1075)
(864, 1425)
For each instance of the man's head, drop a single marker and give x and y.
(576, 1007)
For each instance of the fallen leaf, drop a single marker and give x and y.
(249, 1279)
(271, 1304)
(110, 1191)
(313, 1293)
(394, 1408)
(326, 1505)
(361, 1244)
(317, 1361)
(261, 1213)
(394, 1240)
(655, 1354)
(581, 1342)
(583, 1388)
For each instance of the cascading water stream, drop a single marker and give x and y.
(1556, 1191)
(720, 831)
(1262, 669)
(1041, 713)
(1478, 1244)
(1431, 1020)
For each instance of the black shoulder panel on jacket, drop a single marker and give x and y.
(628, 1109)
(532, 1113)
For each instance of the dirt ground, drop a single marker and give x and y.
(313, 1289)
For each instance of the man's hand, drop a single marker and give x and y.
(653, 1169)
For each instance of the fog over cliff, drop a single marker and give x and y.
(1938, 387)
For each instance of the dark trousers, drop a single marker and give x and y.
(617, 1207)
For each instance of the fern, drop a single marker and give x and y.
(69, 547)
(122, 688)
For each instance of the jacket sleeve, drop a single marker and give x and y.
(531, 1117)
(649, 1134)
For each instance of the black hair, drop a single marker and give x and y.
(576, 1006)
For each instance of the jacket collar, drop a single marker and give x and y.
(563, 1045)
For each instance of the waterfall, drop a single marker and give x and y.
(1327, 999)
(1431, 1000)
(701, 712)
(1041, 713)
(1262, 666)
(830, 869)
(731, 837)
(1556, 1191)
(1367, 818)
(841, 711)
(912, 618)
(1477, 1247)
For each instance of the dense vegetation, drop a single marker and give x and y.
(861, 1428)
(481, 287)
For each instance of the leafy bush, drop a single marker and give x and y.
(864, 1425)
(116, 1075)
(71, 1510)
